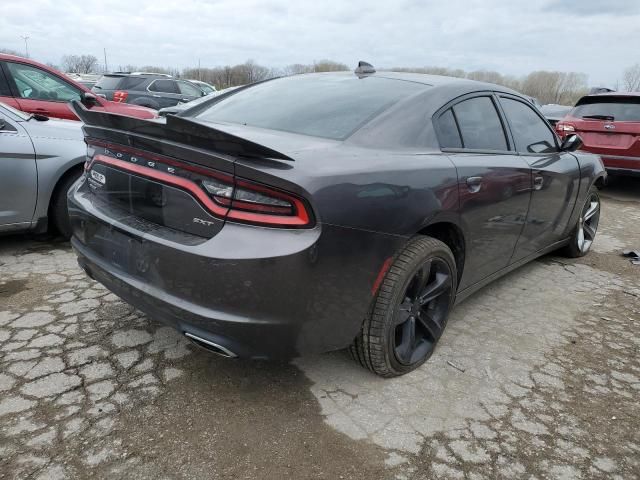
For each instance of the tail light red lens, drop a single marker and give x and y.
(120, 96)
(225, 197)
(253, 203)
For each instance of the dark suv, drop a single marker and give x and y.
(149, 90)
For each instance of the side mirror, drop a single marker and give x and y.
(89, 99)
(571, 143)
(2, 124)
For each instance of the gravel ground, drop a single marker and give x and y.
(537, 376)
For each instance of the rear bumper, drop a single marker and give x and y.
(621, 165)
(258, 292)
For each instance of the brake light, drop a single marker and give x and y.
(120, 96)
(222, 195)
(253, 203)
(565, 127)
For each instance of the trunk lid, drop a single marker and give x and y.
(178, 174)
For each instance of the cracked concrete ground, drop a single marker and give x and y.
(537, 376)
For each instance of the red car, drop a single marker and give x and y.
(609, 125)
(35, 88)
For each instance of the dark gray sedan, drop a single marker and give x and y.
(39, 160)
(324, 211)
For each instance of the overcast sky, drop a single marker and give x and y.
(597, 37)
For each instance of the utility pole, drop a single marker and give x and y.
(26, 45)
(106, 69)
(199, 76)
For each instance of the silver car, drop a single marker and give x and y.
(40, 159)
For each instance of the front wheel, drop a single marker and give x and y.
(410, 310)
(585, 231)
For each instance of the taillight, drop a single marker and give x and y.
(225, 197)
(120, 96)
(564, 128)
(253, 203)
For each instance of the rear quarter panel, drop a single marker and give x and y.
(59, 147)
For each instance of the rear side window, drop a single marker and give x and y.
(330, 106)
(189, 89)
(448, 133)
(163, 86)
(530, 132)
(608, 107)
(108, 83)
(132, 83)
(480, 125)
(5, 91)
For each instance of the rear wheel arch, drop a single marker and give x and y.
(57, 201)
(452, 236)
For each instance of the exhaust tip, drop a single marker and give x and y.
(210, 346)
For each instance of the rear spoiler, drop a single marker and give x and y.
(176, 129)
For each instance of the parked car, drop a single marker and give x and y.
(181, 107)
(204, 86)
(321, 211)
(148, 90)
(554, 113)
(609, 125)
(39, 160)
(35, 88)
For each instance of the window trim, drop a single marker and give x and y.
(468, 96)
(535, 110)
(16, 92)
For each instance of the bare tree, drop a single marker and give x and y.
(9, 51)
(555, 87)
(631, 78)
(329, 66)
(79, 63)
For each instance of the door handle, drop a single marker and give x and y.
(474, 184)
(185, 100)
(538, 183)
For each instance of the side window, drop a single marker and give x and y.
(189, 89)
(480, 124)
(36, 84)
(530, 132)
(448, 133)
(163, 86)
(5, 91)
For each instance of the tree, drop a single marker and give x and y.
(563, 88)
(9, 51)
(329, 66)
(631, 78)
(79, 63)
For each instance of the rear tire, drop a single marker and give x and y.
(410, 310)
(584, 233)
(58, 210)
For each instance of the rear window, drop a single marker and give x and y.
(622, 109)
(108, 83)
(327, 106)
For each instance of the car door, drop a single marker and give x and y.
(556, 177)
(18, 175)
(494, 182)
(40, 92)
(165, 92)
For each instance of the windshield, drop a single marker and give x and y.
(622, 109)
(329, 106)
(21, 115)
